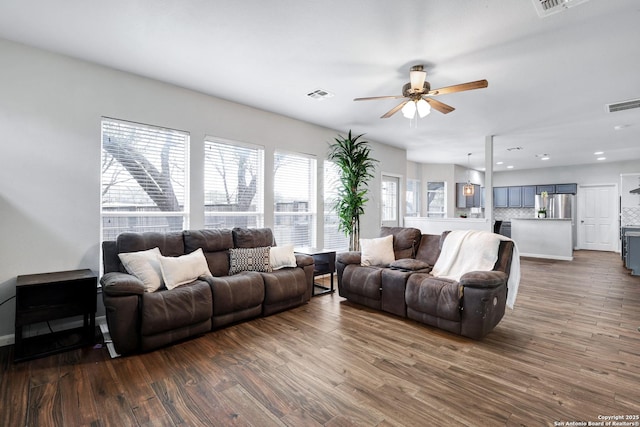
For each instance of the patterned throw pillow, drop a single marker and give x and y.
(249, 259)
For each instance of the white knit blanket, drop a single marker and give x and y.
(464, 251)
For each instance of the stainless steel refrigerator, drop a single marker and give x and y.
(557, 205)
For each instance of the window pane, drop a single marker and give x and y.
(294, 187)
(233, 190)
(144, 176)
(389, 200)
(436, 199)
(413, 197)
(333, 238)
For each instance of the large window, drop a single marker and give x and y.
(413, 198)
(294, 187)
(333, 238)
(233, 188)
(144, 178)
(436, 200)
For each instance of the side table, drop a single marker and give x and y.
(325, 263)
(50, 296)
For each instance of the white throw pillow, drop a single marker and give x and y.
(377, 251)
(183, 269)
(282, 256)
(145, 266)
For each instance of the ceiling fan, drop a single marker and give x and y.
(419, 95)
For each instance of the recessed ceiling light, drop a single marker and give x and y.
(597, 153)
(601, 158)
(510, 167)
(499, 163)
(545, 158)
(620, 127)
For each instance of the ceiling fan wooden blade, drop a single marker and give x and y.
(479, 84)
(378, 97)
(394, 109)
(439, 106)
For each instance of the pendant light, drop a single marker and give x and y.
(468, 189)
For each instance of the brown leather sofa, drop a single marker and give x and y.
(141, 321)
(471, 307)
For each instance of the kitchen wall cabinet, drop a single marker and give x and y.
(463, 201)
(515, 197)
(566, 188)
(557, 188)
(528, 196)
(500, 197)
(550, 189)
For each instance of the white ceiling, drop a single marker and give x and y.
(549, 78)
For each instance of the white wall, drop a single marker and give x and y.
(601, 173)
(50, 112)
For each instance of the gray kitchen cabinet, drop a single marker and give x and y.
(500, 197)
(515, 197)
(528, 196)
(566, 188)
(550, 189)
(632, 256)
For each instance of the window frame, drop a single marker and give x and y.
(260, 186)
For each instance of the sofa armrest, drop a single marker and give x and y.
(120, 284)
(483, 279)
(303, 260)
(351, 257)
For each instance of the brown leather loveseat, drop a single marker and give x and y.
(142, 320)
(471, 306)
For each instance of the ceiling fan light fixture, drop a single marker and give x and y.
(409, 110)
(417, 77)
(423, 108)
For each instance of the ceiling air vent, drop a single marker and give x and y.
(549, 7)
(320, 94)
(623, 105)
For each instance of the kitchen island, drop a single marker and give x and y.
(543, 237)
(438, 225)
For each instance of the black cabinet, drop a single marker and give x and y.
(51, 296)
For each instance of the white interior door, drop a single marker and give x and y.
(390, 201)
(598, 217)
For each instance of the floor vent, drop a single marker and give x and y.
(623, 105)
(549, 7)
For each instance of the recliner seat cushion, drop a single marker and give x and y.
(285, 284)
(363, 281)
(434, 296)
(171, 309)
(236, 293)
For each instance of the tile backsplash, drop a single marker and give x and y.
(630, 216)
(502, 214)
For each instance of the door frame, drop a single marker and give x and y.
(613, 212)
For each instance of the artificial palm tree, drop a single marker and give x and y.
(353, 158)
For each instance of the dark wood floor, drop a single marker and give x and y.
(570, 351)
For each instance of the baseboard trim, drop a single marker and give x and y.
(10, 339)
